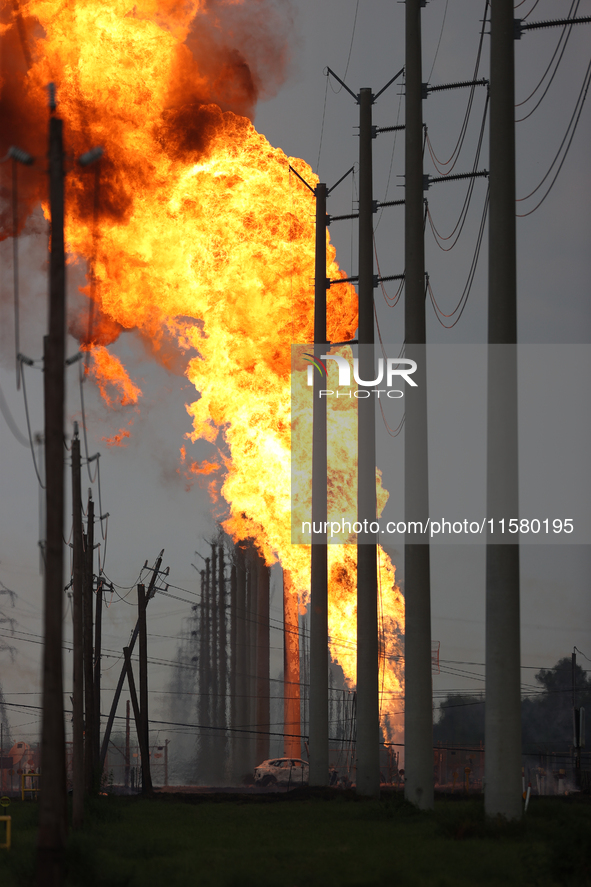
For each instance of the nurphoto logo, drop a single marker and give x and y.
(396, 367)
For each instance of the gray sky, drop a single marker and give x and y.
(149, 506)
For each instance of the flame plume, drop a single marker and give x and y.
(203, 239)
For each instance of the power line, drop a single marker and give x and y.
(4, 409)
(574, 121)
(468, 199)
(22, 362)
(564, 35)
(461, 305)
(463, 130)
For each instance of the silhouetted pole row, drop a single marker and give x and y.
(418, 716)
(502, 795)
(234, 731)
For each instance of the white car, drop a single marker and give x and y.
(282, 771)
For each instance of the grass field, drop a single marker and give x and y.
(311, 838)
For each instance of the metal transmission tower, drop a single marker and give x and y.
(503, 687)
(368, 716)
(418, 717)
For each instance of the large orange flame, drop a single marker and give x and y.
(202, 238)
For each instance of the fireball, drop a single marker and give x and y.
(196, 234)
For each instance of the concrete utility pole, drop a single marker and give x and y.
(319, 554)
(418, 717)
(368, 711)
(143, 701)
(262, 658)
(292, 743)
(503, 793)
(78, 636)
(51, 835)
(89, 732)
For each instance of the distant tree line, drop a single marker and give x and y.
(546, 718)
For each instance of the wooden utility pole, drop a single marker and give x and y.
(51, 835)
(418, 716)
(127, 758)
(319, 553)
(119, 687)
(89, 729)
(141, 735)
(78, 633)
(96, 739)
(502, 727)
(292, 743)
(143, 656)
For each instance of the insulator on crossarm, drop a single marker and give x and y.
(91, 156)
(20, 155)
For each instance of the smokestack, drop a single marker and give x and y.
(292, 744)
(242, 740)
(221, 741)
(263, 684)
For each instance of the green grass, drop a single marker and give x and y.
(328, 840)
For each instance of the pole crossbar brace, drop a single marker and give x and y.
(301, 179)
(520, 27)
(389, 83)
(373, 97)
(342, 178)
(343, 84)
(428, 181)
